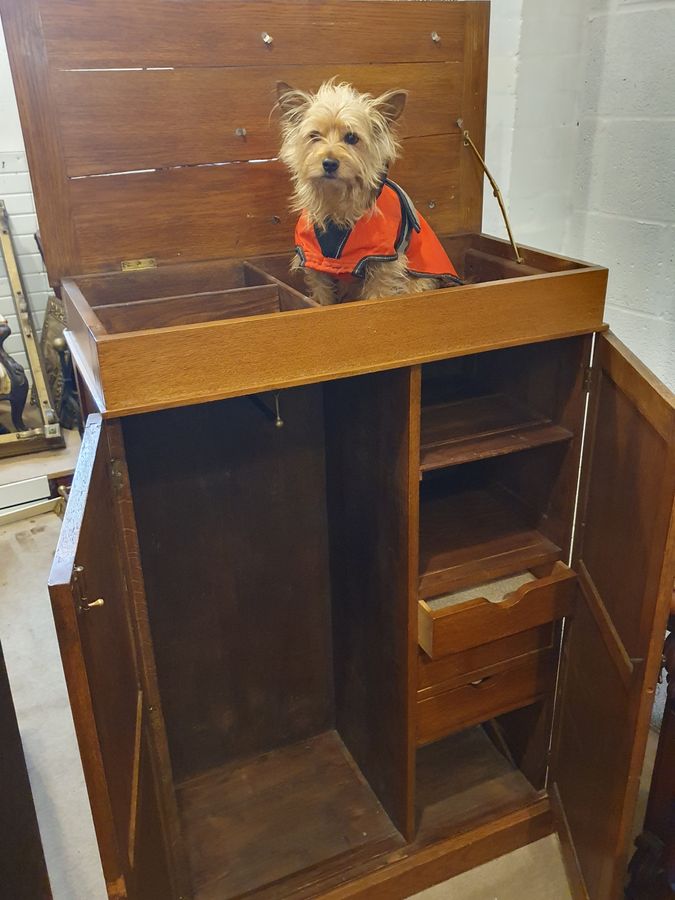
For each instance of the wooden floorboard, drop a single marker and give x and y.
(251, 823)
(301, 822)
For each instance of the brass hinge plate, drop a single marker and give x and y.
(135, 265)
(588, 378)
(116, 475)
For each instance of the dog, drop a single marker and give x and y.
(358, 237)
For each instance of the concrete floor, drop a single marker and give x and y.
(41, 702)
(31, 652)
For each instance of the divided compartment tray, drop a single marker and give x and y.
(172, 296)
(245, 348)
(469, 619)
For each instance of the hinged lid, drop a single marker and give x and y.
(148, 126)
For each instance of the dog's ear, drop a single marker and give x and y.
(289, 98)
(392, 104)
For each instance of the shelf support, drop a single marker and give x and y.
(495, 187)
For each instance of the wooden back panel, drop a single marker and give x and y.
(150, 95)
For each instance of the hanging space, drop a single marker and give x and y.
(280, 622)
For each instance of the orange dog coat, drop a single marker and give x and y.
(393, 227)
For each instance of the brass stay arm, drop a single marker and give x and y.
(495, 187)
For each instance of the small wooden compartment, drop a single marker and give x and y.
(512, 686)
(472, 616)
(127, 326)
(178, 295)
(469, 665)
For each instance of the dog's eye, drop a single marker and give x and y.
(314, 136)
(351, 138)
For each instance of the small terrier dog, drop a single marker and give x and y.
(359, 235)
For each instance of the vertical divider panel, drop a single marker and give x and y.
(372, 458)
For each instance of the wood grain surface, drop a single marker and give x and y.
(239, 209)
(227, 33)
(266, 352)
(100, 664)
(518, 685)
(310, 804)
(372, 501)
(459, 627)
(233, 540)
(117, 121)
(625, 557)
(165, 312)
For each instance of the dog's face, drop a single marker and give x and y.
(337, 144)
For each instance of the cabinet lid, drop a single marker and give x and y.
(148, 128)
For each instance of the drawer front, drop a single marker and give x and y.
(476, 622)
(521, 684)
(433, 675)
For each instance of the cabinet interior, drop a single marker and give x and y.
(283, 568)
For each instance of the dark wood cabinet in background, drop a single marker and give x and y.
(362, 652)
(23, 871)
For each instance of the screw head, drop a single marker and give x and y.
(435, 37)
(266, 38)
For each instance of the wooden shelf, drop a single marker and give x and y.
(463, 780)
(471, 536)
(472, 428)
(303, 804)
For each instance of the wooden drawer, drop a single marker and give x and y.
(434, 675)
(459, 626)
(515, 686)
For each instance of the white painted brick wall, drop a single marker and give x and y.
(505, 30)
(623, 196)
(545, 127)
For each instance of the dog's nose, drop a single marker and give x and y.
(330, 166)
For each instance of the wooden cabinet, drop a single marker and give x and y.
(23, 871)
(333, 620)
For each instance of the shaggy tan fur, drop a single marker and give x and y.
(358, 132)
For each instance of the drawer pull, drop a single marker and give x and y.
(481, 681)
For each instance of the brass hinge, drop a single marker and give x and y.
(80, 591)
(116, 475)
(135, 265)
(588, 378)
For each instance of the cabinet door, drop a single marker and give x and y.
(624, 556)
(91, 610)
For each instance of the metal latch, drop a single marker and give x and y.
(135, 265)
(81, 591)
